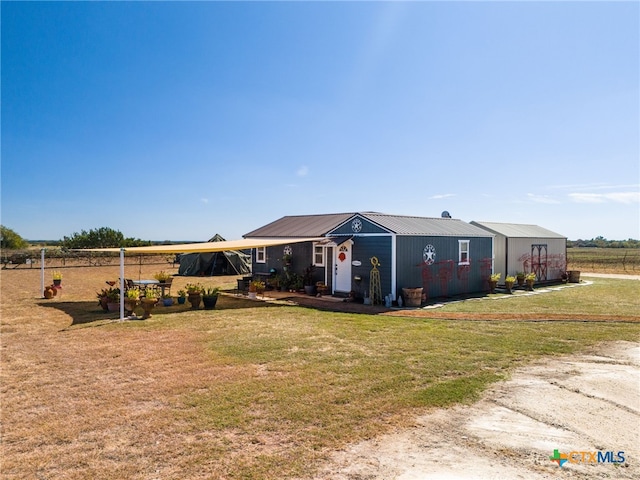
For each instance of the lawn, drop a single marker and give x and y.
(249, 390)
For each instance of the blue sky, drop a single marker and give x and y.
(176, 121)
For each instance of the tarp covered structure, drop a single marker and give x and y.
(228, 262)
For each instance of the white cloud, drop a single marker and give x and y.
(617, 197)
(303, 171)
(542, 199)
(442, 195)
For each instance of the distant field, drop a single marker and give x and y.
(604, 260)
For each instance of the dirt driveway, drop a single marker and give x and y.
(583, 403)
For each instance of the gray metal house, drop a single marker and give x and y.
(358, 251)
(527, 248)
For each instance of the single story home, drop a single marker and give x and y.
(527, 249)
(362, 253)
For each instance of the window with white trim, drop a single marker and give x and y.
(463, 252)
(318, 255)
(261, 254)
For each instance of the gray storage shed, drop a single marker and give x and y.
(527, 248)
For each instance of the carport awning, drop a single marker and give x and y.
(207, 246)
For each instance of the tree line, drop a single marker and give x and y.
(103, 237)
(601, 242)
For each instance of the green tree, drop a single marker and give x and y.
(103, 237)
(10, 239)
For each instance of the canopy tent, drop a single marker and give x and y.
(229, 262)
(242, 244)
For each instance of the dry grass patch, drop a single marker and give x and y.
(247, 391)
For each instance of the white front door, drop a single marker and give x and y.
(342, 261)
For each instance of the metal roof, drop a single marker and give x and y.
(301, 226)
(433, 226)
(517, 230)
(317, 225)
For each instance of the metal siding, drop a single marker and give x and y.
(367, 227)
(500, 256)
(412, 271)
(520, 250)
(518, 230)
(364, 248)
(302, 257)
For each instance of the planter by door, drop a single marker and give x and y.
(210, 302)
(574, 276)
(412, 296)
(310, 289)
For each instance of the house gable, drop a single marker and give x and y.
(358, 225)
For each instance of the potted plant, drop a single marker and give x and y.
(194, 290)
(167, 300)
(149, 301)
(256, 287)
(307, 281)
(529, 280)
(57, 279)
(493, 282)
(132, 297)
(508, 282)
(102, 298)
(113, 299)
(50, 292)
(210, 297)
(162, 276)
(182, 297)
(520, 277)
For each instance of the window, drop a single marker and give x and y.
(463, 252)
(261, 255)
(318, 255)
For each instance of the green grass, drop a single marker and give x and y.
(604, 296)
(316, 381)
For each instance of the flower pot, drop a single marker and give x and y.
(49, 292)
(194, 300)
(574, 276)
(412, 296)
(130, 305)
(252, 295)
(509, 286)
(147, 306)
(182, 300)
(57, 283)
(103, 303)
(520, 281)
(113, 306)
(530, 285)
(210, 302)
(492, 286)
(167, 302)
(310, 289)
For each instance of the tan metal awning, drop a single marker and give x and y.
(207, 246)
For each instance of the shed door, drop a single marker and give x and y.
(539, 260)
(342, 261)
